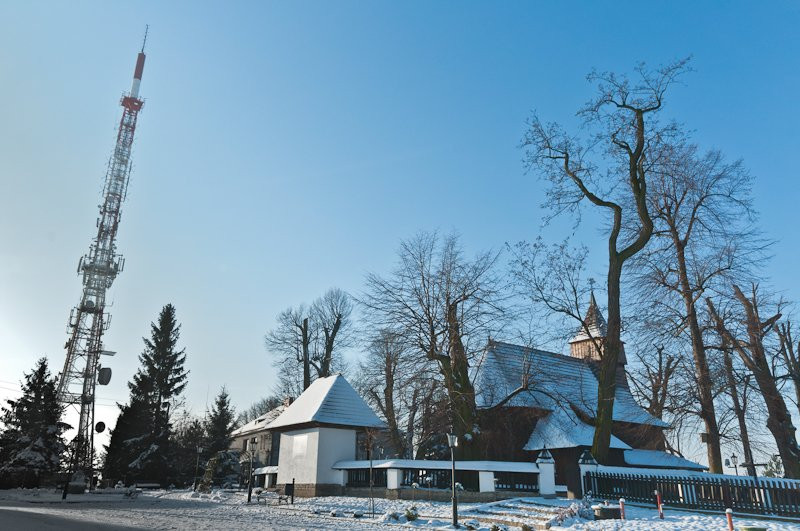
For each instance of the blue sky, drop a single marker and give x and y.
(286, 148)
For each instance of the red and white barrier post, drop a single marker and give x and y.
(729, 515)
(622, 508)
(659, 505)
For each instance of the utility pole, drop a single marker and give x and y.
(98, 269)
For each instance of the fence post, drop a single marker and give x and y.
(729, 515)
(658, 504)
(622, 508)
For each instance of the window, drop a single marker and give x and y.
(275, 449)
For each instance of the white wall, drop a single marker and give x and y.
(334, 445)
(308, 455)
(298, 456)
(485, 481)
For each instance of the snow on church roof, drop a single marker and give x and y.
(562, 429)
(555, 381)
(658, 459)
(330, 400)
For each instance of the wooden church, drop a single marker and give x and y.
(556, 411)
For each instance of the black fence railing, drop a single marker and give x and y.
(523, 481)
(360, 477)
(743, 494)
(439, 478)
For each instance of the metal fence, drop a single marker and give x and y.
(716, 493)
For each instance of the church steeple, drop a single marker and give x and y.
(589, 340)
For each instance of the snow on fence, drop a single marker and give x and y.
(715, 492)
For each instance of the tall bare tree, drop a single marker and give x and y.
(703, 235)
(790, 355)
(394, 381)
(445, 305)
(753, 353)
(306, 338)
(609, 169)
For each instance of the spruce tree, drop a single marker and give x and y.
(220, 423)
(140, 442)
(31, 443)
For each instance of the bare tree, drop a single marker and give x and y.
(753, 353)
(790, 355)
(331, 320)
(290, 340)
(444, 305)
(653, 382)
(737, 386)
(306, 338)
(703, 234)
(610, 170)
(393, 381)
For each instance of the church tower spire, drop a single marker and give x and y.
(589, 341)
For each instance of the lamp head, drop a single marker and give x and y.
(452, 440)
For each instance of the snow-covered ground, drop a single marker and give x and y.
(229, 510)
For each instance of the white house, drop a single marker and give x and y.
(319, 429)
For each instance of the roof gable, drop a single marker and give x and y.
(332, 401)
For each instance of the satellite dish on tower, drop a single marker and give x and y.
(100, 427)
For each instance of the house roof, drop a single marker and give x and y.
(259, 423)
(554, 381)
(563, 429)
(330, 400)
(658, 459)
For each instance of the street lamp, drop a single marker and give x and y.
(197, 466)
(735, 462)
(452, 442)
(253, 442)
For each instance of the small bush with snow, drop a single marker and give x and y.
(412, 514)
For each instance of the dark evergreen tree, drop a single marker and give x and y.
(140, 443)
(31, 443)
(220, 423)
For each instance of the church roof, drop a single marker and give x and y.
(330, 400)
(563, 429)
(659, 459)
(554, 381)
(594, 321)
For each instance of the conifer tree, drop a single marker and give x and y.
(140, 442)
(220, 423)
(31, 443)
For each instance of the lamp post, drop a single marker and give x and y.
(197, 466)
(452, 442)
(253, 442)
(735, 462)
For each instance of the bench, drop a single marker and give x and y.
(267, 494)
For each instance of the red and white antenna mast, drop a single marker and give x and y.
(98, 269)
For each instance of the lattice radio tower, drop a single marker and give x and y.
(98, 269)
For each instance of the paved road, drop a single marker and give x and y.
(24, 517)
(149, 514)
